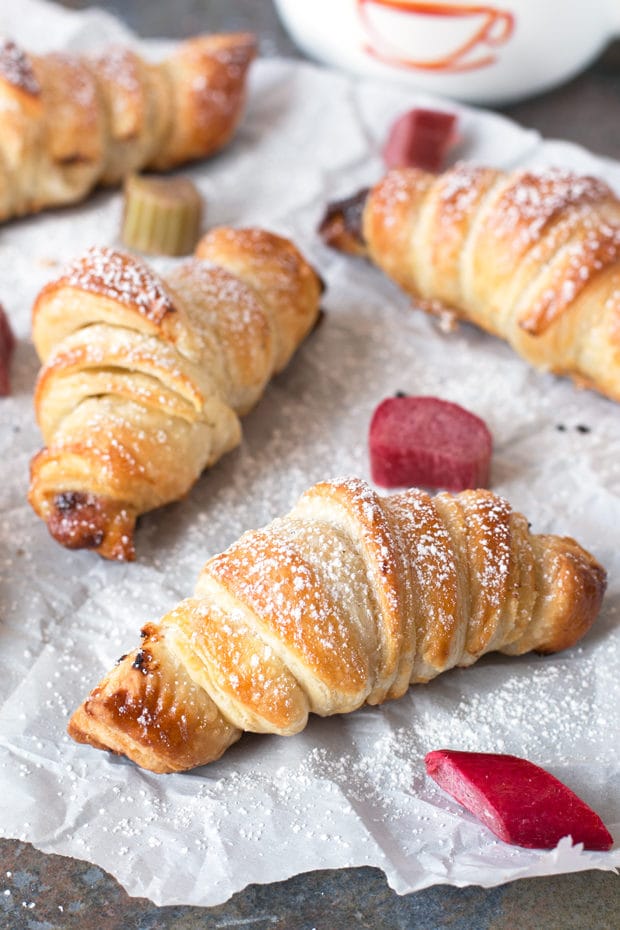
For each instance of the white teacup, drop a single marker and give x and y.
(478, 52)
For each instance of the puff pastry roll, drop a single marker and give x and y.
(144, 379)
(532, 257)
(69, 122)
(347, 600)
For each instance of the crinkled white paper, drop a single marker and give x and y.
(349, 790)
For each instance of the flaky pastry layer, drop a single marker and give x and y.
(348, 599)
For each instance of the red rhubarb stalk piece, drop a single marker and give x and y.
(518, 801)
(428, 442)
(7, 344)
(420, 138)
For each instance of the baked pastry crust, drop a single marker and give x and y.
(144, 379)
(348, 599)
(69, 122)
(530, 256)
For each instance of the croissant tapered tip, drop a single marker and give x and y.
(77, 729)
(579, 585)
(149, 709)
(341, 227)
(86, 521)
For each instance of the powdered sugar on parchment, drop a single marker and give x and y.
(350, 789)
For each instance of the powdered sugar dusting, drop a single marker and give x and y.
(218, 99)
(533, 198)
(348, 790)
(219, 294)
(82, 85)
(460, 187)
(118, 65)
(366, 510)
(15, 67)
(429, 552)
(489, 536)
(396, 191)
(268, 573)
(282, 261)
(120, 277)
(308, 579)
(575, 267)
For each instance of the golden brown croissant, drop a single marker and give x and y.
(346, 600)
(68, 122)
(144, 379)
(532, 256)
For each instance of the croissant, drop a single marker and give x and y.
(68, 122)
(144, 379)
(346, 600)
(532, 257)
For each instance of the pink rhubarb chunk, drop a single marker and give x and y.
(7, 344)
(420, 139)
(428, 442)
(517, 800)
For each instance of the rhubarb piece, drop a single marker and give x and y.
(420, 139)
(7, 344)
(162, 216)
(428, 442)
(517, 800)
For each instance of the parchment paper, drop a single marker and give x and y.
(350, 790)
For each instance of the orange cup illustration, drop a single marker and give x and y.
(489, 52)
(464, 37)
